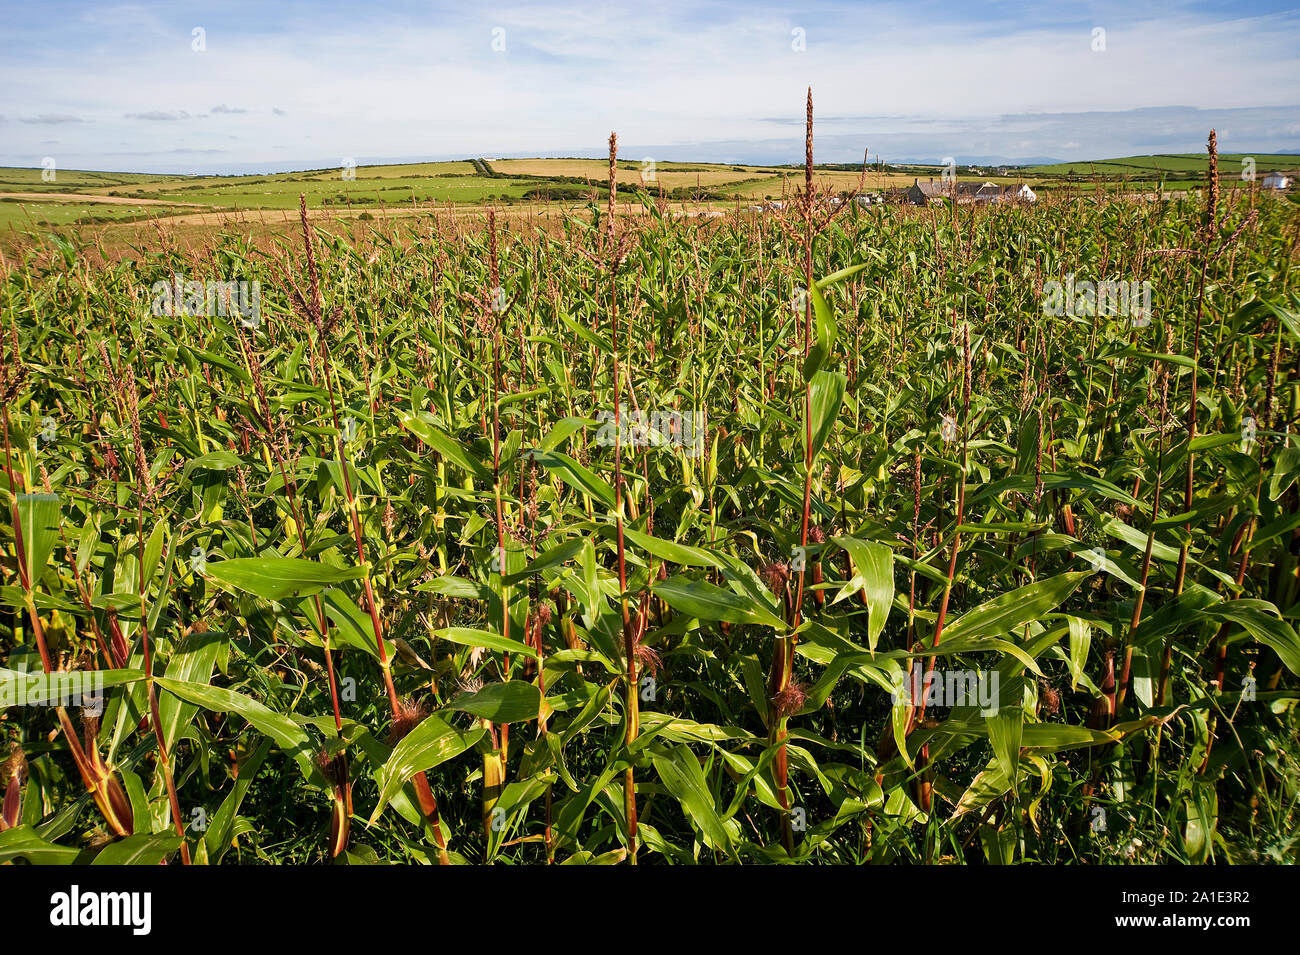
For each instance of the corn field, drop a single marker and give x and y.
(815, 536)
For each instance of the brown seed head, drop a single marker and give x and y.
(328, 763)
(776, 575)
(1049, 699)
(470, 684)
(1212, 190)
(647, 658)
(409, 715)
(15, 766)
(790, 700)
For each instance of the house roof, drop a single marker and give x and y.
(931, 189)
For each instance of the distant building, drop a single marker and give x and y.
(967, 193)
(925, 193)
(979, 192)
(1020, 193)
(1276, 181)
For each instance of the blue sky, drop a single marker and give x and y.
(283, 85)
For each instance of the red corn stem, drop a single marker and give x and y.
(631, 701)
(1212, 195)
(154, 717)
(1126, 670)
(99, 781)
(428, 804)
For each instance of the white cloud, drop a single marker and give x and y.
(160, 115)
(365, 83)
(51, 119)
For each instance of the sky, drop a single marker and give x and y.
(236, 87)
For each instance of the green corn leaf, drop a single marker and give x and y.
(701, 599)
(429, 744)
(38, 516)
(511, 702)
(275, 578)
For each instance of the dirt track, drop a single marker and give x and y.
(78, 197)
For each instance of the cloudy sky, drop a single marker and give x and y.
(252, 86)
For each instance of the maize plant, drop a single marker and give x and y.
(842, 533)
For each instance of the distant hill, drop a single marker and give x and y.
(1173, 165)
(76, 198)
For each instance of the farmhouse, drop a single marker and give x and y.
(1019, 193)
(966, 193)
(1276, 181)
(924, 193)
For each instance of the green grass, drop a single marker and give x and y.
(396, 184)
(398, 187)
(23, 216)
(391, 191)
(393, 187)
(1182, 164)
(16, 179)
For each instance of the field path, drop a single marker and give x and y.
(81, 197)
(218, 216)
